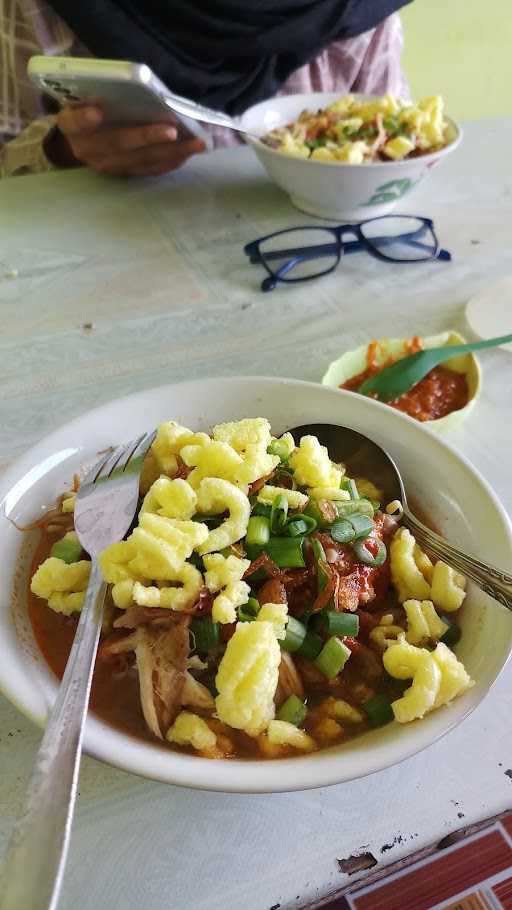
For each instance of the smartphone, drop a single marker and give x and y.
(128, 93)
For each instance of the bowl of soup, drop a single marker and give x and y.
(280, 635)
(349, 158)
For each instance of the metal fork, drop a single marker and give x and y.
(34, 865)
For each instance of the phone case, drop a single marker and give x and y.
(128, 93)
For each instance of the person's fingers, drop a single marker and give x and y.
(75, 121)
(150, 161)
(132, 138)
(149, 149)
(121, 143)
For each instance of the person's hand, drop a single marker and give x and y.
(132, 151)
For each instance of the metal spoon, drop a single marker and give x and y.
(395, 380)
(185, 107)
(366, 458)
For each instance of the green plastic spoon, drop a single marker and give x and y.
(401, 376)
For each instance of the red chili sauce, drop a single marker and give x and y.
(439, 393)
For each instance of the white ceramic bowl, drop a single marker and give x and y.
(344, 192)
(452, 492)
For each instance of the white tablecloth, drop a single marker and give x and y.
(126, 285)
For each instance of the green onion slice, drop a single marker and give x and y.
(278, 514)
(261, 508)
(206, 634)
(300, 524)
(332, 657)
(293, 711)
(311, 646)
(249, 611)
(322, 570)
(68, 549)
(353, 527)
(279, 448)
(391, 123)
(295, 635)
(378, 710)
(318, 551)
(363, 526)
(345, 508)
(452, 634)
(339, 623)
(350, 486)
(322, 511)
(252, 551)
(258, 531)
(342, 531)
(364, 555)
(286, 552)
(297, 528)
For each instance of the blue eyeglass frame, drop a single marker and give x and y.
(339, 247)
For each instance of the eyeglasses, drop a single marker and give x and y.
(302, 253)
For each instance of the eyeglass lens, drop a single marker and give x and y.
(301, 253)
(400, 238)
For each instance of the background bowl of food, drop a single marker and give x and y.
(349, 158)
(453, 495)
(444, 398)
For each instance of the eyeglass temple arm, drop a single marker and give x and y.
(268, 284)
(351, 246)
(288, 266)
(301, 253)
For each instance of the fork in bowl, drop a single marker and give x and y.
(34, 865)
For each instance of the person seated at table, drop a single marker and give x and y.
(227, 54)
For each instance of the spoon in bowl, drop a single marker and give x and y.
(364, 457)
(185, 107)
(393, 381)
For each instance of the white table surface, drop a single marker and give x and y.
(127, 285)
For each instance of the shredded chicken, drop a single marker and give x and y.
(117, 643)
(161, 654)
(161, 661)
(381, 136)
(136, 616)
(289, 682)
(196, 695)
